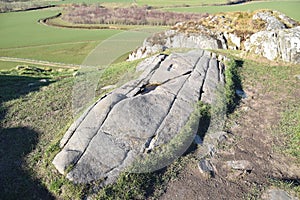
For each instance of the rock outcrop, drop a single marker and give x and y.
(281, 44)
(267, 33)
(138, 117)
(175, 39)
(279, 41)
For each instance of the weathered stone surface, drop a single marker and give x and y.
(281, 44)
(277, 38)
(240, 165)
(232, 41)
(175, 39)
(277, 194)
(140, 116)
(206, 168)
(272, 23)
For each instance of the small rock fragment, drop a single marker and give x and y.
(206, 168)
(108, 87)
(241, 94)
(198, 140)
(43, 80)
(240, 165)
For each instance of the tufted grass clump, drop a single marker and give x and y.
(233, 82)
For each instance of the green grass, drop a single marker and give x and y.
(25, 38)
(281, 83)
(33, 120)
(22, 29)
(143, 185)
(290, 126)
(73, 53)
(233, 82)
(33, 117)
(289, 8)
(22, 36)
(155, 176)
(8, 65)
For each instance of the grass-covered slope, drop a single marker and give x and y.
(22, 36)
(35, 114)
(36, 110)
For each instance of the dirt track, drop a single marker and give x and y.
(252, 139)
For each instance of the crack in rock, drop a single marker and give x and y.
(138, 117)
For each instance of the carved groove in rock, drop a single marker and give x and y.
(139, 116)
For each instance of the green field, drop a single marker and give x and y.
(290, 8)
(22, 36)
(35, 114)
(22, 29)
(26, 38)
(73, 53)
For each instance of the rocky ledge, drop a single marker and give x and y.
(266, 33)
(138, 117)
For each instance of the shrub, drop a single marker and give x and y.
(96, 14)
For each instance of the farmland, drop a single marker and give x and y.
(26, 38)
(290, 8)
(36, 106)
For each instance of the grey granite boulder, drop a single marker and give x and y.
(277, 194)
(138, 117)
(282, 44)
(277, 38)
(272, 23)
(176, 39)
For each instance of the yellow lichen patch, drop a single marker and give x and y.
(241, 24)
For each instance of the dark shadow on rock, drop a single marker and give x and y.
(203, 126)
(292, 182)
(16, 182)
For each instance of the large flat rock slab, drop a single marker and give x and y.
(138, 117)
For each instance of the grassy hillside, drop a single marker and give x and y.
(22, 29)
(26, 38)
(34, 118)
(36, 107)
(73, 53)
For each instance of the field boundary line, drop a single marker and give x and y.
(41, 62)
(46, 45)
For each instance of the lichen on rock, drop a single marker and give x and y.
(139, 117)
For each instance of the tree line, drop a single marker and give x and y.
(96, 14)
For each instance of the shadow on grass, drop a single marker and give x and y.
(13, 87)
(236, 85)
(16, 181)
